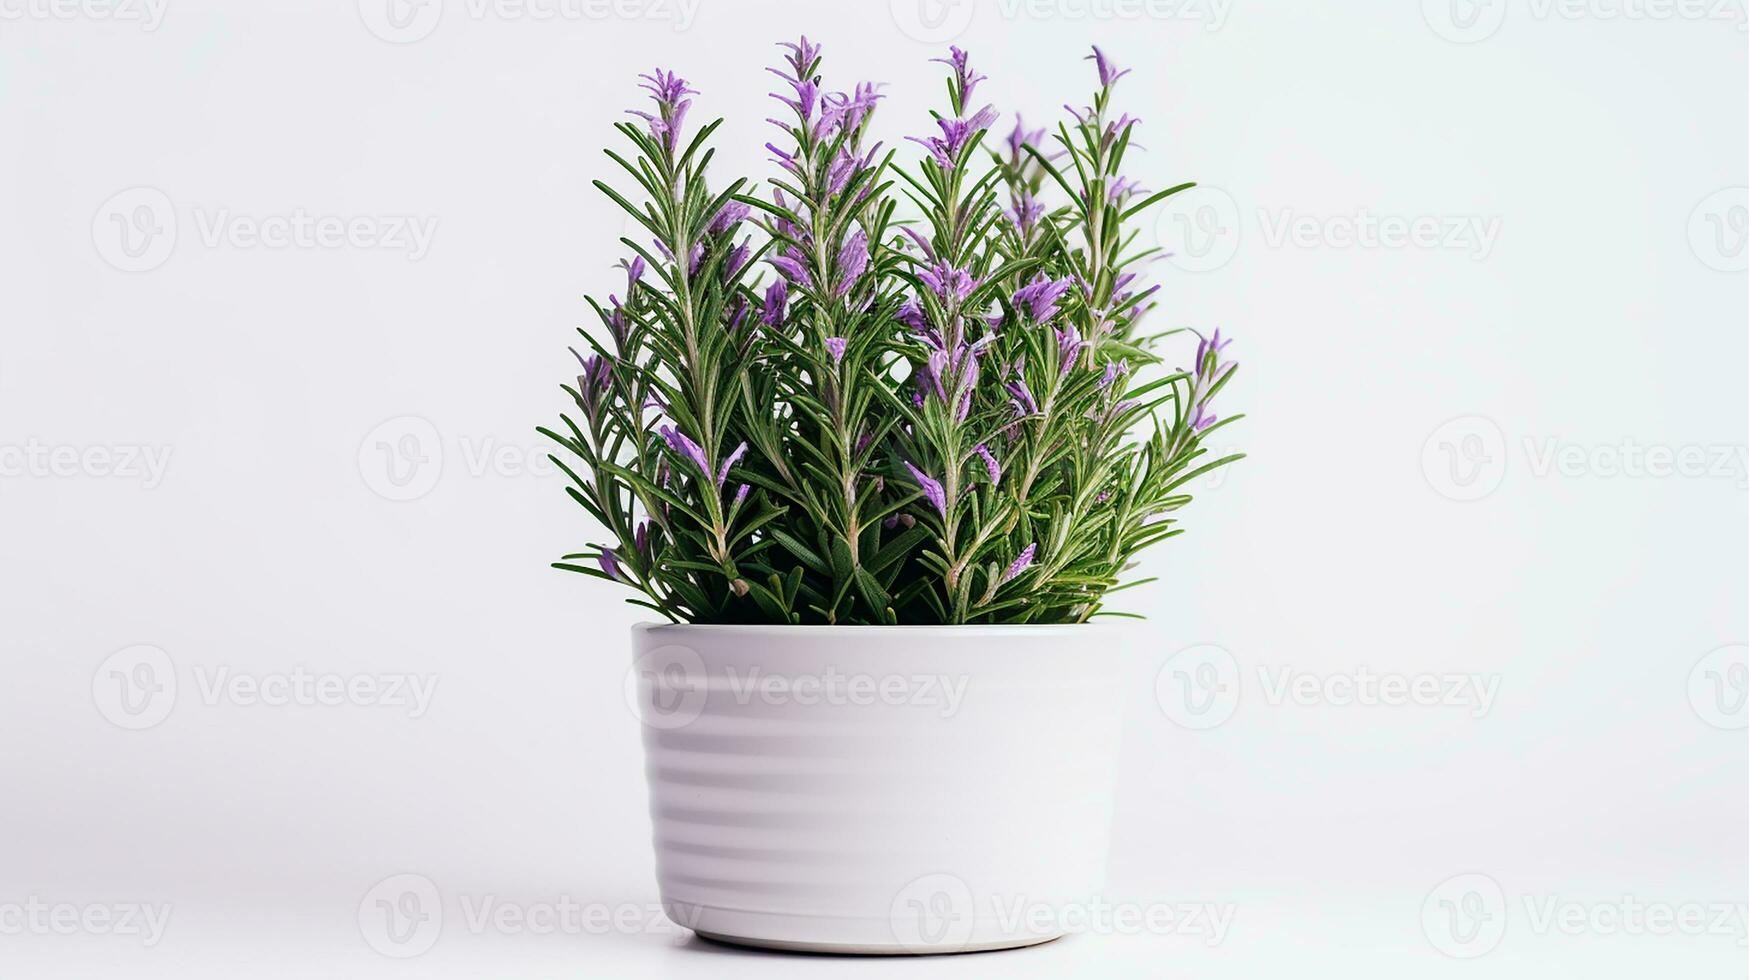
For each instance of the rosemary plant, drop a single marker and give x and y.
(874, 394)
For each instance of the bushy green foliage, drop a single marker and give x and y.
(873, 393)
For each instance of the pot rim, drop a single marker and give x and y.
(964, 629)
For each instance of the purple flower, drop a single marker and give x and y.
(772, 309)
(680, 443)
(1069, 346)
(967, 384)
(1024, 403)
(852, 261)
(1020, 564)
(785, 160)
(948, 282)
(616, 321)
(732, 214)
(847, 110)
(1206, 346)
(1202, 418)
(931, 488)
(1121, 188)
(792, 268)
(802, 56)
(669, 91)
(736, 260)
(990, 465)
(734, 457)
(641, 538)
(965, 79)
(1039, 297)
(1108, 73)
(835, 346)
(921, 242)
(594, 383)
(911, 315)
(609, 563)
(634, 271)
(737, 313)
(1026, 212)
(955, 134)
(1113, 370)
(741, 494)
(1020, 138)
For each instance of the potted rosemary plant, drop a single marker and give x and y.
(878, 440)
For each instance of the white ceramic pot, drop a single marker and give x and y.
(870, 789)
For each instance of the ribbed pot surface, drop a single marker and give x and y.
(879, 789)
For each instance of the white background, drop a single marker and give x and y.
(1530, 543)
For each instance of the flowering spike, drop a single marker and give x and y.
(1020, 564)
(734, 457)
(771, 312)
(932, 488)
(993, 468)
(609, 562)
(1108, 73)
(682, 444)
